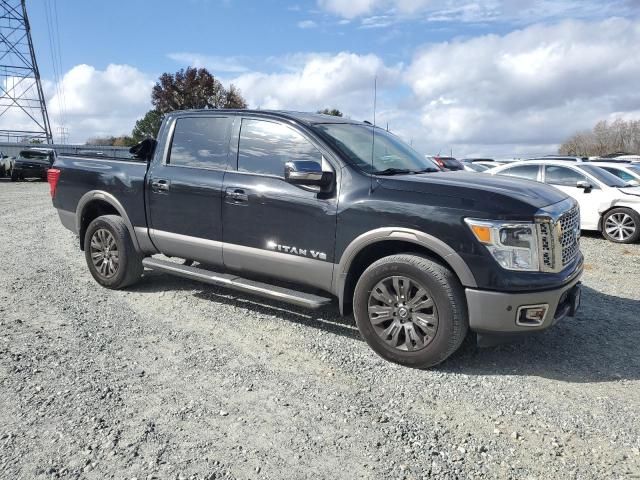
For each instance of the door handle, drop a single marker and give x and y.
(160, 185)
(236, 196)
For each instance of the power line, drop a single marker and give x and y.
(53, 35)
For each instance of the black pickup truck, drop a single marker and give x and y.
(304, 208)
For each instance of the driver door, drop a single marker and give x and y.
(271, 227)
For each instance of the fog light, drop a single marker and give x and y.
(531, 315)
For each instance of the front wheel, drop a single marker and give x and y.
(111, 257)
(621, 225)
(411, 310)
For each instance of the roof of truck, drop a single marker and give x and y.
(308, 118)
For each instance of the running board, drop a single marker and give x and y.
(301, 299)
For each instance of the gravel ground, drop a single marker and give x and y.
(174, 379)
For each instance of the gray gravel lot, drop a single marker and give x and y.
(174, 379)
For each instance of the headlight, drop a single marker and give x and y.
(513, 245)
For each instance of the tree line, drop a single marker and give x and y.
(604, 139)
(193, 88)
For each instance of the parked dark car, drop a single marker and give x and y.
(448, 163)
(259, 198)
(33, 163)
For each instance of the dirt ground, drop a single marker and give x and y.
(175, 379)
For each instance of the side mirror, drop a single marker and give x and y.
(586, 186)
(307, 173)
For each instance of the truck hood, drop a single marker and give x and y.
(477, 187)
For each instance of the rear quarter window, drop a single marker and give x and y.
(528, 172)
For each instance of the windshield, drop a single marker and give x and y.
(635, 168)
(602, 175)
(390, 155)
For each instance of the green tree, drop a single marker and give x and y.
(193, 88)
(331, 111)
(147, 126)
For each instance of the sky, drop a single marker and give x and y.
(495, 78)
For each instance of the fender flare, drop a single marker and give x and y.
(103, 196)
(452, 259)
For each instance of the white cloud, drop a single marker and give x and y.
(306, 24)
(533, 86)
(315, 81)
(211, 62)
(99, 102)
(519, 11)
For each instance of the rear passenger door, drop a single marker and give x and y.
(184, 189)
(271, 227)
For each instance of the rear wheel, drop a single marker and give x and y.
(621, 225)
(410, 310)
(110, 254)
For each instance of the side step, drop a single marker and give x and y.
(301, 299)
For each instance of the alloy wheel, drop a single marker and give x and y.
(403, 313)
(104, 253)
(620, 226)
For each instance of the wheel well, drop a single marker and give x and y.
(604, 214)
(93, 210)
(376, 251)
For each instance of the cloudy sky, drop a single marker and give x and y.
(484, 77)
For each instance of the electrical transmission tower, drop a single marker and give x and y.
(23, 112)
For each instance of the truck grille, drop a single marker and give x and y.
(559, 240)
(570, 235)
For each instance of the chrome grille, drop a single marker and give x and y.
(546, 245)
(570, 235)
(559, 240)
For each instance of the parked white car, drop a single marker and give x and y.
(607, 203)
(628, 172)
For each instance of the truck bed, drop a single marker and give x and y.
(122, 178)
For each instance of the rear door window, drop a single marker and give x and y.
(201, 142)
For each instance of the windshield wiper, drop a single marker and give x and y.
(394, 171)
(427, 170)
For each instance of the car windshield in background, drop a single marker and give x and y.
(31, 155)
(450, 162)
(605, 177)
(390, 154)
(635, 168)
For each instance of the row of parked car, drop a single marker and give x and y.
(608, 190)
(30, 163)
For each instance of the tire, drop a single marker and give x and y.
(621, 225)
(14, 176)
(448, 315)
(111, 271)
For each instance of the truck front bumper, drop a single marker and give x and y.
(501, 312)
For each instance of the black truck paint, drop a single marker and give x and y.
(260, 226)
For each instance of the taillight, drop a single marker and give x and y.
(53, 175)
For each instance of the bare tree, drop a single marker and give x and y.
(605, 138)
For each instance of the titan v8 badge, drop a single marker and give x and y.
(302, 252)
